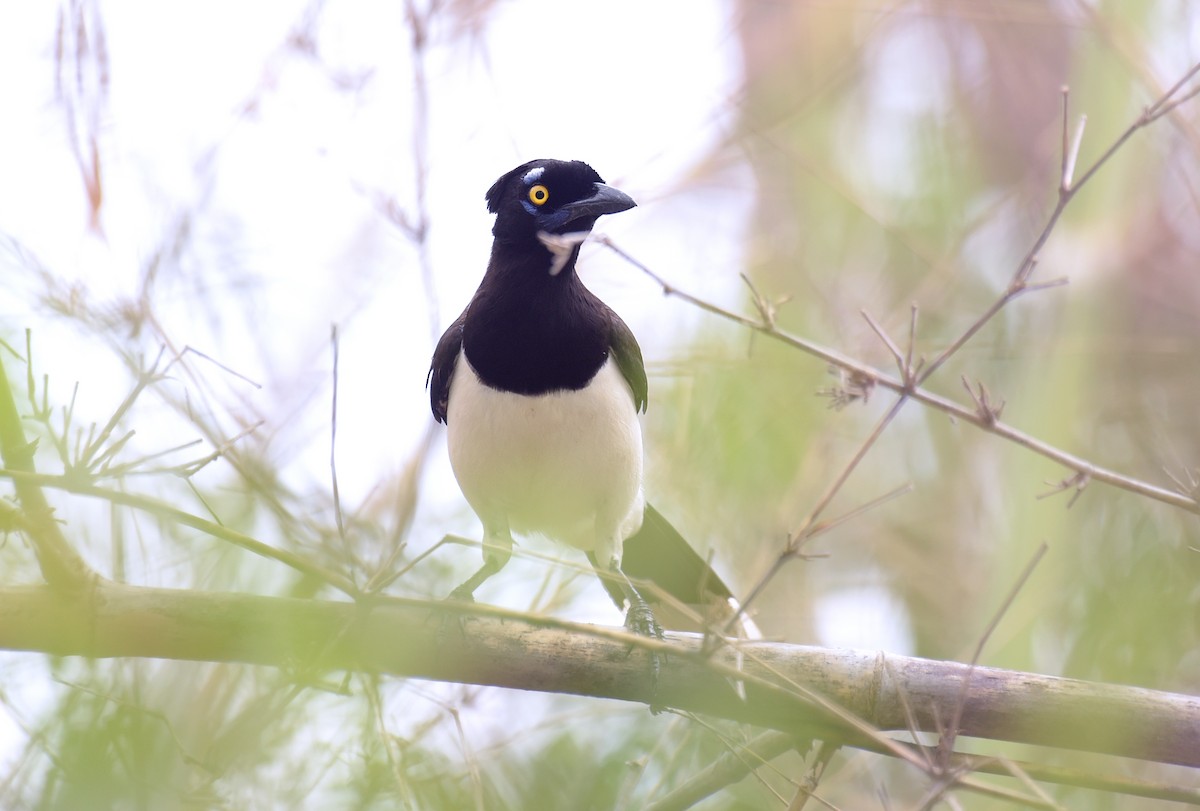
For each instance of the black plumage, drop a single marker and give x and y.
(533, 330)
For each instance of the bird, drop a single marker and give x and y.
(540, 385)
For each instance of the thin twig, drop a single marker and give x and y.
(813, 779)
(419, 23)
(191, 350)
(1155, 111)
(333, 426)
(23, 479)
(955, 410)
(946, 745)
(1064, 181)
(913, 371)
(87, 461)
(809, 528)
(901, 365)
(802, 533)
(1068, 177)
(1066, 193)
(188, 469)
(60, 564)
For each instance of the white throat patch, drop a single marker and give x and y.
(560, 246)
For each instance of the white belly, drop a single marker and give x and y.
(567, 465)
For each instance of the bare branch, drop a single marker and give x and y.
(862, 371)
(1066, 193)
(897, 355)
(511, 649)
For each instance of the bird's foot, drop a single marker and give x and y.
(451, 618)
(640, 620)
(462, 594)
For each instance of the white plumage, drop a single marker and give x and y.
(567, 464)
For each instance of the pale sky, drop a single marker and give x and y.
(289, 238)
(639, 91)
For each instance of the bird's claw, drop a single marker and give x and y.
(640, 620)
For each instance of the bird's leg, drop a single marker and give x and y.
(639, 618)
(497, 549)
(609, 543)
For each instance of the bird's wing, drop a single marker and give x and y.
(441, 368)
(628, 355)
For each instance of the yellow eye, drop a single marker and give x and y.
(539, 194)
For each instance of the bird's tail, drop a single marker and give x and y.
(657, 553)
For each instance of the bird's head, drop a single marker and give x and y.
(553, 202)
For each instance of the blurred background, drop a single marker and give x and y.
(230, 183)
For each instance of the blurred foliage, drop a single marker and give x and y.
(911, 156)
(900, 153)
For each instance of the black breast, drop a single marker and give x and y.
(536, 333)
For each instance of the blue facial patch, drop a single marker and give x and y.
(552, 220)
